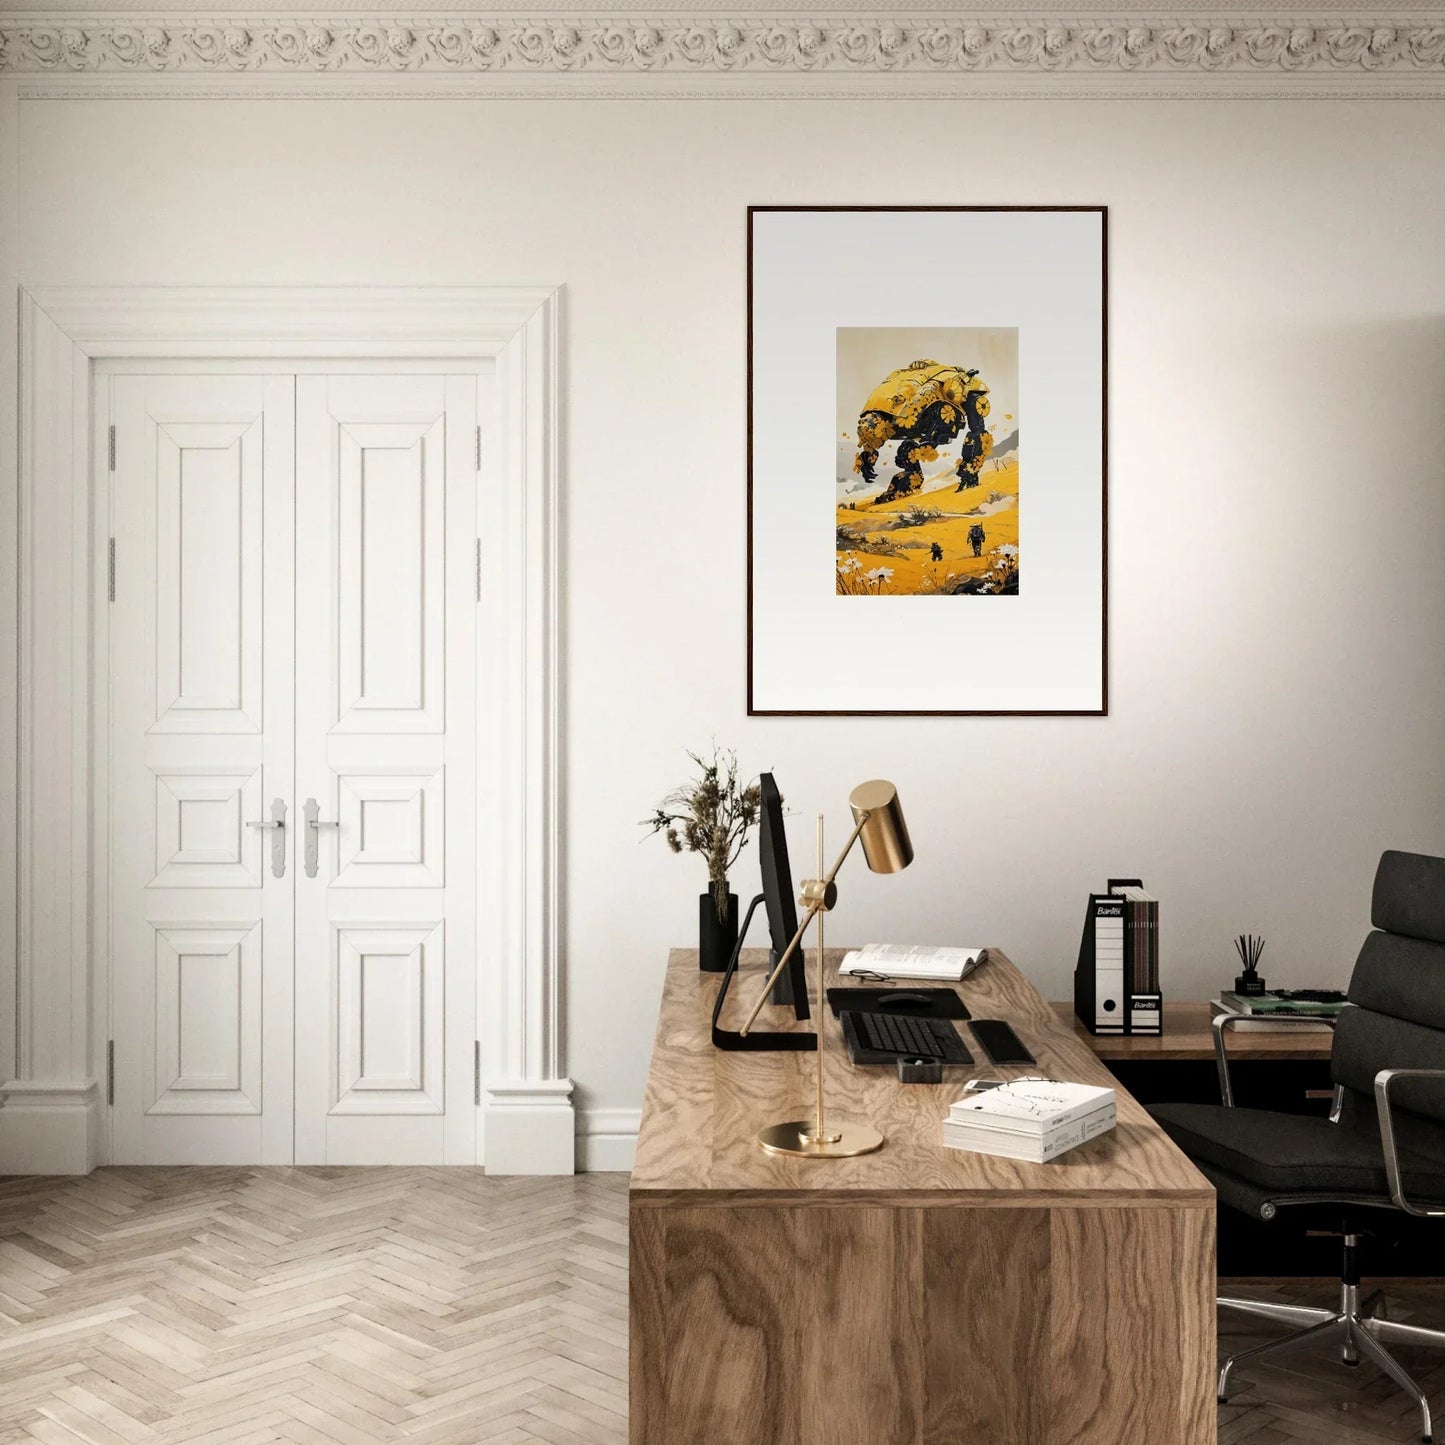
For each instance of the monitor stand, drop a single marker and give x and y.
(757, 1040)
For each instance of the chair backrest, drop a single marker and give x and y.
(1398, 991)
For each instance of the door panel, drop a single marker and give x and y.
(208, 577)
(392, 827)
(208, 1021)
(385, 731)
(293, 636)
(389, 1019)
(201, 714)
(202, 837)
(391, 576)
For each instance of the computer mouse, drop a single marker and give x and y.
(904, 1000)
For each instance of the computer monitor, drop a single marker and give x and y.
(791, 987)
(777, 900)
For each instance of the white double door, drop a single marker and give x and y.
(292, 767)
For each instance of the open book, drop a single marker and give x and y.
(902, 960)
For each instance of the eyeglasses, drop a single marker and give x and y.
(997, 1081)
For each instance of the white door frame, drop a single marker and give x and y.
(53, 1106)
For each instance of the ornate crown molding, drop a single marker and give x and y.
(927, 47)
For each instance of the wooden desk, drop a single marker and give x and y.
(1286, 1071)
(919, 1295)
(1187, 1036)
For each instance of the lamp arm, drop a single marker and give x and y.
(814, 908)
(788, 952)
(847, 849)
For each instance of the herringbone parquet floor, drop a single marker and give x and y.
(236, 1306)
(242, 1306)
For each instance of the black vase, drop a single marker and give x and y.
(716, 939)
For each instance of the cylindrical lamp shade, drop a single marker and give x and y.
(885, 840)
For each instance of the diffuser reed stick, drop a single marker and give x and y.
(1249, 947)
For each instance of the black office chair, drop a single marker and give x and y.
(1381, 1151)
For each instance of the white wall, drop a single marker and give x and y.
(1277, 512)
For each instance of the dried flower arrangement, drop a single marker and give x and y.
(711, 815)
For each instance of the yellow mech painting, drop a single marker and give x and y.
(931, 504)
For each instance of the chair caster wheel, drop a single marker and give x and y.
(1221, 1399)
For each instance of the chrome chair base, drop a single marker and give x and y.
(1359, 1328)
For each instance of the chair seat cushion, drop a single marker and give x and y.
(1294, 1153)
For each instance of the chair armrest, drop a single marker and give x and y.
(1383, 1080)
(1222, 1024)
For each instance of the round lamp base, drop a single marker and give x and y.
(845, 1141)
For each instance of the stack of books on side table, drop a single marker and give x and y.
(1261, 1012)
(1033, 1119)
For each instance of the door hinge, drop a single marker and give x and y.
(110, 569)
(110, 1071)
(479, 449)
(479, 569)
(111, 445)
(477, 1072)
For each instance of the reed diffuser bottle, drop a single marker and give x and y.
(1249, 983)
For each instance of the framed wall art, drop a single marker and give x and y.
(927, 453)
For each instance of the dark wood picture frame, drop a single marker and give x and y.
(1103, 709)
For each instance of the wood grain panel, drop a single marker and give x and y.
(869, 1326)
(733, 1324)
(858, 1276)
(778, 1324)
(986, 1285)
(1196, 1331)
(647, 1323)
(703, 1108)
(1132, 1332)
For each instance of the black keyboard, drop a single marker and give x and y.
(900, 1036)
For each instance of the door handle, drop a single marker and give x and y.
(314, 825)
(277, 823)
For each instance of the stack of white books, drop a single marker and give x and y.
(1033, 1119)
(904, 960)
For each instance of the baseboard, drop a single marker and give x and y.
(55, 1129)
(530, 1128)
(607, 1139)
(49, 1128)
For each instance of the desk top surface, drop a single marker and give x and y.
(704, 1106)
(1187, 1035)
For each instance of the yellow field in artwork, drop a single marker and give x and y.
(888, 547)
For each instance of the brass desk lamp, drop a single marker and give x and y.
(878, 824)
